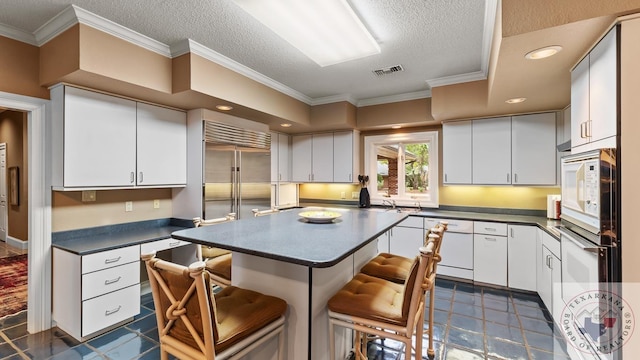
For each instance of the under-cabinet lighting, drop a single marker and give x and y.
(327, 31)
(224, 107)
(515, 100)
(285, 125)
(542, 53)
(396, 127)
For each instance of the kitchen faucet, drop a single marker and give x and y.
(391, 203)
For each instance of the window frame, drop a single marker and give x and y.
(371, 165)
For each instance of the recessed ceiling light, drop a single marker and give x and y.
(327, 31)
(515, 100)
(396, 127)
(224, 107)
(543, 52)
(285, 125)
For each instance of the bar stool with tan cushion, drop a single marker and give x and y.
(378, 307)
(218, 261)
(193, 323)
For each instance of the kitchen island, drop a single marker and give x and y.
(303, 263)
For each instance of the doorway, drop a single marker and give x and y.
(4, 217)
(39, 200)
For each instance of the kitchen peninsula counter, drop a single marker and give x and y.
(303, 263)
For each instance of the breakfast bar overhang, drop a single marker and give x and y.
(301, 262)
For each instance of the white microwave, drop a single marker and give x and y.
(589, 190)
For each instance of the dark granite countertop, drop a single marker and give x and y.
(286, 237)
(101, 238)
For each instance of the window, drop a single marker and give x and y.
(405, 168)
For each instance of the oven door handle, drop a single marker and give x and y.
(583, 244)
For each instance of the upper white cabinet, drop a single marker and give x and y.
(102, 141)
(280, 158)
(491, 146)
(533, 152)
(324, 157)
(457, 152)
(594, 97)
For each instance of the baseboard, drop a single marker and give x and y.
(17, 243)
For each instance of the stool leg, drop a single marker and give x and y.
(430, 351)
(281, 344)
(332, 341)
(419, 330)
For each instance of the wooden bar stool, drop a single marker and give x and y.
(217, 261)
(195, 324)
(382, 308)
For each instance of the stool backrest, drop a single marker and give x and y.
(413, 287)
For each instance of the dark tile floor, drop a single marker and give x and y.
(471, 322)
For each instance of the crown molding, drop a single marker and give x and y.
(457, 79)
(395, 98)
(334, 99)
(17, 34)
(189, 45)
(56, 25)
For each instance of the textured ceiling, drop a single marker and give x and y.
(431, 39)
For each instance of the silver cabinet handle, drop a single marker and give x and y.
(445, 177)
(111, 312)
(587, 128)
(279, 177)
(350, 177)
(174, 244)
(112, 281)
(132, 177)
(490, 239)
(309, 177)
(490, 229)
(515, 178)
(508, 177)
(141, 177)
(113, 260)
(511, 231)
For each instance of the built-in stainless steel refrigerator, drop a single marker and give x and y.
(237, 171)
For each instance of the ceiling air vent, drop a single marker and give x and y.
(388, 70)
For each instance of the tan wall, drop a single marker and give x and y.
(13, 132)
(60, 56)
(340, 115)
(460, 101)
(69, 212)
(404, 113)
(19, 69)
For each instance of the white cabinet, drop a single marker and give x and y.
(161, 146)
(102, 141)
(325, 157)
(549, 274)
(490, 253)
(280, 158)
(521, 246)
(457, 248)
(346, 155)
(491, 146)
(594, 97)
(533, 153)
(97, 292)
(457, 152)
(407, 237)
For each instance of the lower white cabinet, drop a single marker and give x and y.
(549, 274)
(93, 293)
(490, 253)
(407, 237)
(521, 245)
(457, 248)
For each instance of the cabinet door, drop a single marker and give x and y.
(602, 87)
(284, 158)
(556, 286)
(383, 243)
(533, 141)
(274, 157)
(579, 102)
(162, 146)
(492, 151)
(343, 157)
(490, 259)
(457, 250)
(99, 140)
(544, 277)
(521, 267)
(301, 158)
(456, 152)
(322, 159)
(405, 241)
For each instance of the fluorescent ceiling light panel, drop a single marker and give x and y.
(327, 31)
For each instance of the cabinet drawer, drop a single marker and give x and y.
(459, 226)
(111, 279)
(110, 258)
(160, 245)
(490, 228)
(106, 310)
(552, 244)
(412, 221)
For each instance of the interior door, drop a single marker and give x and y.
(3, 192)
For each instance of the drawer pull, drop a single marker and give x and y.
(112, 281)
(111, 312)
(490, 229)
(174, 244)
(111, 261)
(490, 239)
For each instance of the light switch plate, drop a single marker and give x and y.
(88, 195)
(355, 195)
(156, 204)
(128, 206)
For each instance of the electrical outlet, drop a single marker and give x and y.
(156, 204)
(128, 206)
(355, 195)
(342, 195)
(88, 195)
